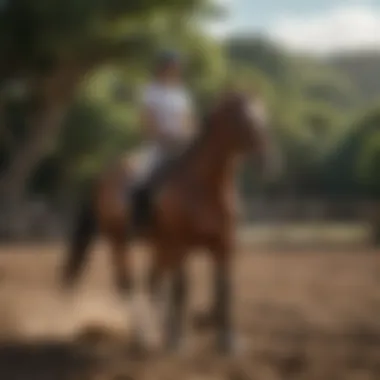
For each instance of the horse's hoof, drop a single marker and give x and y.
(172, 347)
(176, 347)
(136, 350)
(232, 346)
(203, 321)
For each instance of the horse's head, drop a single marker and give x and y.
(244, 120)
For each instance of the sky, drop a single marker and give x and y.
(311, 26)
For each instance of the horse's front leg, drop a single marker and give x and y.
(168, 265)
(176, 308)
(140, 314)
(221, 250)
(155, 282)
(123, 281)
(122, 276)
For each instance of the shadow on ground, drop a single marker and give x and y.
(285, 353)
(45, 361)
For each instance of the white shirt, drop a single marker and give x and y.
(170, 106)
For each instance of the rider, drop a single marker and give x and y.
(166, 114)
(166, 117)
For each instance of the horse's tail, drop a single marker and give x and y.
(85, 228)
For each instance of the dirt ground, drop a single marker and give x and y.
(304, 315)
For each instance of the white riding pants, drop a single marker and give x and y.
(148, 158)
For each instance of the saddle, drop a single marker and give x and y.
(143, 193)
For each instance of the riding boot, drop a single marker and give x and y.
(142, 208)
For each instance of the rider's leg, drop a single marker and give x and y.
(144, 186)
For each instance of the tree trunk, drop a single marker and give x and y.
(44, 121)
(25, 160)
(376, 225)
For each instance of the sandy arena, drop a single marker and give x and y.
(310, 314)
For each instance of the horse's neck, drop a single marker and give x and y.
(215, 164)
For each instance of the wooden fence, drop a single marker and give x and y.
(42, 222)
(277, 210)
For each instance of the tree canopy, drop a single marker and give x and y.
(70, 72)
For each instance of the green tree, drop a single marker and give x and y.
(47, 48)
(368, 164)
(261, 54)
(340, 167)
(368, 169)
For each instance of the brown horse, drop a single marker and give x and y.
(192, 205)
